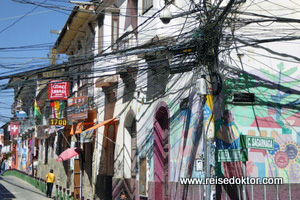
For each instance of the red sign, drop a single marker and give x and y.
(14, 128)
(58, 90)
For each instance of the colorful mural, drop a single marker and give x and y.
(275, 114)
(185, 133)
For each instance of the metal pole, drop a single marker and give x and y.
(277, 194)
(265, 192)
(208, 167)
(290, 193)
(200, 194)
(252, 190)
(208, 135)
(244, 175)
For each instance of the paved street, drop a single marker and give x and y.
(15, 188)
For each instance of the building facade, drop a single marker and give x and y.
(138, 111)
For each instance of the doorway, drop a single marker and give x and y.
(161, 152)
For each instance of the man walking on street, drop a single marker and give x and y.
(3, 166)
(50, 178)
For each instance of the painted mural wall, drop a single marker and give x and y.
(274, 114)
(185, 143)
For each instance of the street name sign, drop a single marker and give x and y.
(266, 143)
(232, 155)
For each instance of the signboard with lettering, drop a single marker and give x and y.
(58, 122)
(77, 108)
(87, 136)
(58, 90)
(266, 143)
(232, 155)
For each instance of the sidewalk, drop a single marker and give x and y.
(14, 188)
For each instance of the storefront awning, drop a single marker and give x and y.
(68, 154)
(87, 135)
(100, 124)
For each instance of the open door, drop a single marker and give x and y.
(161, 154)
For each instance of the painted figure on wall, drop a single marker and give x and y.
(227, 133)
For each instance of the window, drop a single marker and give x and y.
(100, 35)
(147, 4)
(115, 30)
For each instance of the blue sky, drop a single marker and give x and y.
(32, 29)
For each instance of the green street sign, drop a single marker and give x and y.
(266, 143)
(232, 155)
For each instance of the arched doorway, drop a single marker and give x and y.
(130, 149)
(161, 152)
(130, 126)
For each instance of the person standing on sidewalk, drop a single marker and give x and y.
(3, 166)
(50, 178)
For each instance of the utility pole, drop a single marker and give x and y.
(210, 59)
(205, 89)
(208, 41)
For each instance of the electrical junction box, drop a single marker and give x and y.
(199, 165)
(201, 86)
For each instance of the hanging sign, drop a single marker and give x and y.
(78, 108)
(87, 136)
(58, 122)
(15, 128)
(58, 90)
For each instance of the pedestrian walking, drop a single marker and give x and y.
(50, 178)
(1, 160)
(3, 166)
(35, 166)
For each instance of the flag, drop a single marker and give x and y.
(14, 128)
(79, 128)
(57, 109)
(72, 130)
(52, 104)
(62, 108)
(37, 112)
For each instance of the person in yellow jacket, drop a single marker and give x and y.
(50, 178)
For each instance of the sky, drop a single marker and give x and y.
(23, 26)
